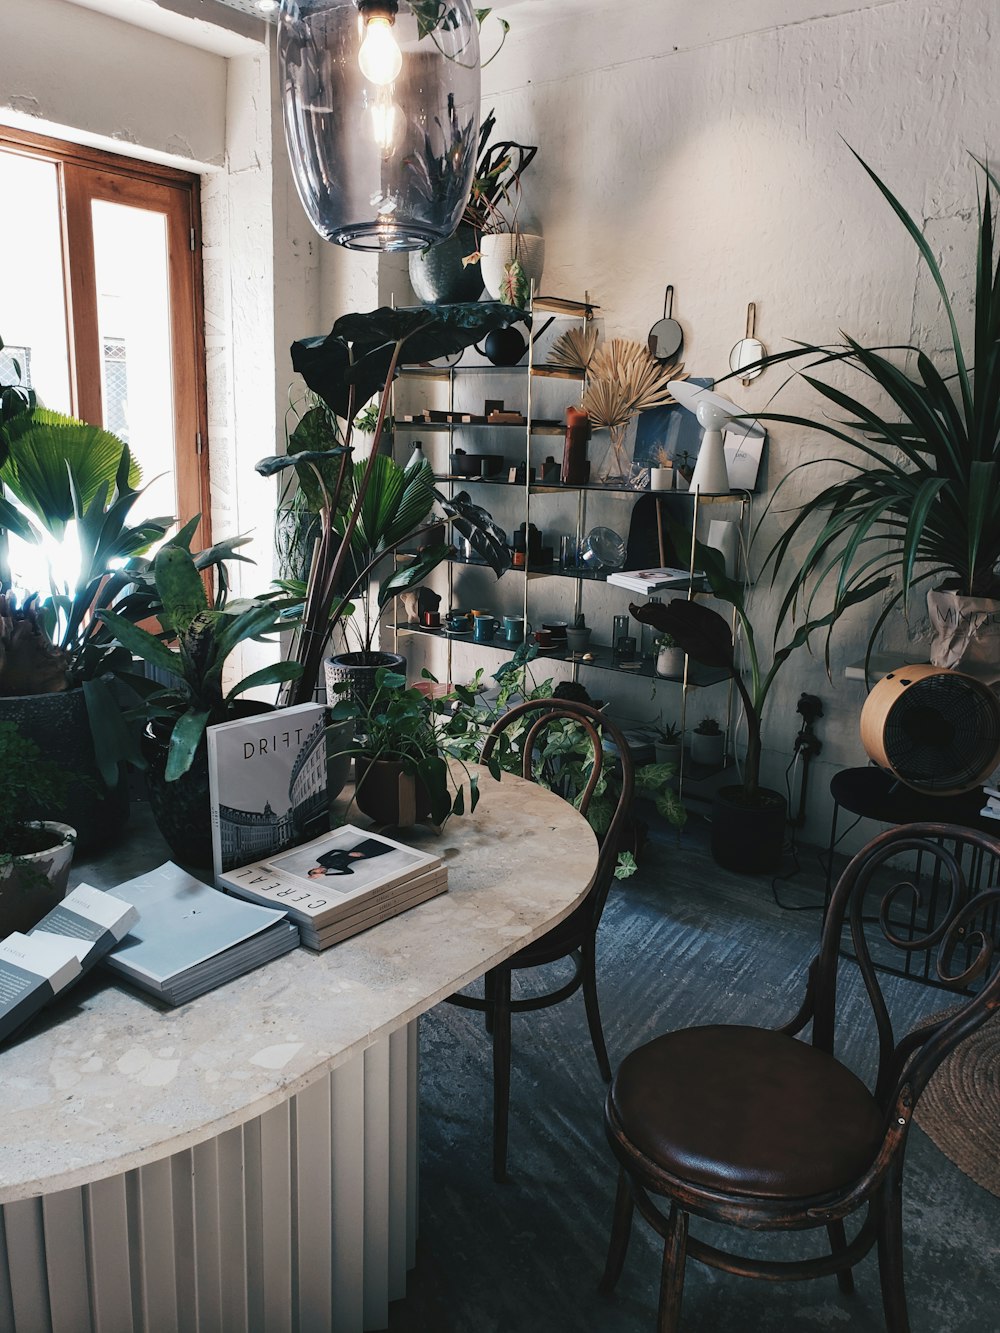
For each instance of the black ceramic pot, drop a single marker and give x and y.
(748, 838)
(437, 276)
(60, 727)
(359, 670)
(388, 795)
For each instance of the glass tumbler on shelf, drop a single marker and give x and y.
(619, 631)
(567, 552)
(650, 635)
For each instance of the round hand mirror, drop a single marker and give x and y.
(748, 349)
(666, 337)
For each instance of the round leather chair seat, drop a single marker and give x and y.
(747, 1111)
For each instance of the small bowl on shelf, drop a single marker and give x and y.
(465, 465)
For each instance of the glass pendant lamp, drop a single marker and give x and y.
(381, 110)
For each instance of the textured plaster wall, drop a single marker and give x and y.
(704, 146)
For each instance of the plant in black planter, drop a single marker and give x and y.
(402, 755)
(370, 508)
(35, 852)
(178, 713)
(748, 821)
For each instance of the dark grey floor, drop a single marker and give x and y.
(681, 943)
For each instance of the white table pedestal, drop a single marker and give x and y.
(303, 1218)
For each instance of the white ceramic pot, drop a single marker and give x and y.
(670, 662)
(668, 752)
(498, 250)
(708, 750)
(661, 478)
(34, 883)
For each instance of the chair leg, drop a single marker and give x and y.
(672, 1277)
(621, 1230)
(589, 955)
(489, 995)
(890, 1253)
(838, 1243)
(501, 1070)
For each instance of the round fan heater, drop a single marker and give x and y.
(934, 729)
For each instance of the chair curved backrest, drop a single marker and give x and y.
(883, 887)
(525, 728)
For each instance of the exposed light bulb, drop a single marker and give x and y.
(385, 122)
(380, 57)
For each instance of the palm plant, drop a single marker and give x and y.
(922, 499)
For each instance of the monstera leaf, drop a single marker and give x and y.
(478, 527)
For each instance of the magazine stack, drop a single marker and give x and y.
(340, 883)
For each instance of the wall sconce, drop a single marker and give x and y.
(381, 110)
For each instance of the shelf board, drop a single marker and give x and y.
(603, 658)
(439, 427)
(443, 372)
(559, 305)
(555, 487)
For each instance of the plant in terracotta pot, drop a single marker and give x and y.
(920, 500)
(748, 821)
(195, 698)
(35, 852)
(401, 759)
(368, 509)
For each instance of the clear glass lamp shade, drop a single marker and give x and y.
(384, 163)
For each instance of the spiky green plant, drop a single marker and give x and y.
(922, 499)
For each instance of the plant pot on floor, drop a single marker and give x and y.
(358, 671)
(748, 838)
(708, 748)
(388, 795)
(35, 881)
(60, 726)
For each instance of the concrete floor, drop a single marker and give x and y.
(681, 943)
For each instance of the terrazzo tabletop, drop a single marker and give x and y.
(107, 1080)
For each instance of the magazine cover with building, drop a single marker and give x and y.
(267, 778)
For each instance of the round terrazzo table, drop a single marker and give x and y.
(249, 1160)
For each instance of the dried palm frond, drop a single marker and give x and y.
(575, 348)
(626, 379)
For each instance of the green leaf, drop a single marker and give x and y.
(180, 588)
(140, 643)
(184, 741)
(413, 574)
(275, 674)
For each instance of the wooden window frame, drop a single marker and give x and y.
(87, 174)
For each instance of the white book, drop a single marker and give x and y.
(324, 879)
(182, 922)
(33, 969)
(384, 910)
(267, 783)
(648, 580)
(94, 921)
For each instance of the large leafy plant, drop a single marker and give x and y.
(30, 785)
(205, 635)
(922, 497)
(358, 359)
(706, 637)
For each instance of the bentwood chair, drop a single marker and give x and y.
(766, 1132)
(535, 732)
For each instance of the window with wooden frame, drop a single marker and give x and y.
(101, 303)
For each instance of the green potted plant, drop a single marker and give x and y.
(35, 853)
(669, 657)
(68, 486)
(708, 743)
(921, 498)
(373, 504)
(405, 770)
(748, 820)
(177, 713)
(667, 743)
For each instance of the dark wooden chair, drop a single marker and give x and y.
(524, 729)
(767, 1132)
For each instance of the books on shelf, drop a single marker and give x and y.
(649, 580)
(190, 938)
(267, 783)
(340, 883)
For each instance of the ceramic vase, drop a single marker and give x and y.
(437, 275)
(499, 249)
(670, 662)
(32, 884)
